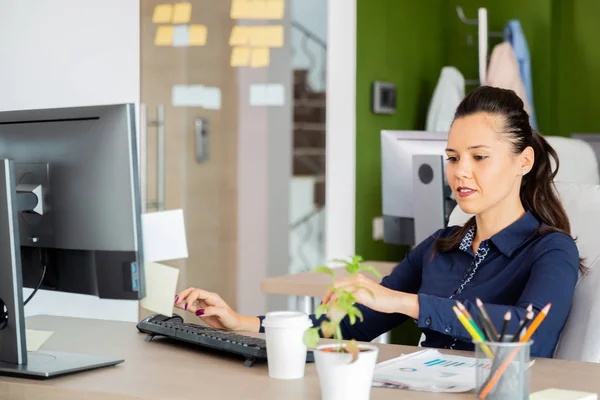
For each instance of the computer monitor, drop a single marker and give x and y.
(70, 211)
(416, 198)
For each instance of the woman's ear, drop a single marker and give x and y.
(527, 159)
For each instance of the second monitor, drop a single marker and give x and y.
(416, 198)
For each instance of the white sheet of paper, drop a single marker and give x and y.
(179, 95)
(181, 36)
(211, 98)
(195, 96)
(164, 236)
(258, 95)
(276, 94)
(35, 339)
(161, 286)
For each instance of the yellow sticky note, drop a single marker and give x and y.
(239, 8)
(239, 36)
(274, 9)
(254, 9)
(164, 36)
(161, 286)
(182, 13)
(198, 35)
(162, 14)
(35, 339)
(240, 56)
(261, 57)
(267, 36)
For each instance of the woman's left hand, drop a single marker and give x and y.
(373, 295)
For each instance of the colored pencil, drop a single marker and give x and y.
(528, 333)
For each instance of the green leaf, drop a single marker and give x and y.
(352, 318)
(370, 269)
(324, 270)
(328, 329)
(352, 268)
(357, 259)
(338, 333)
(340, 260)
(311, 337)
(322, 309)
(358, 313)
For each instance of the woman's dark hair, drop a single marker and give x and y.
(537, 189)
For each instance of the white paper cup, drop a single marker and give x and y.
(286, 352)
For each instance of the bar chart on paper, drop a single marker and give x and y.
(441, 362)
(429, 370)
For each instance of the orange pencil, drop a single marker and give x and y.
(530, 331)
(463, 309)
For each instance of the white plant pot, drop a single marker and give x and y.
(342, 380)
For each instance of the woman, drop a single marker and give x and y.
(515, 252)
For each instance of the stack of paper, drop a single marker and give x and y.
(428, 370)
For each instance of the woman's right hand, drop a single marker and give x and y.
(213, 310)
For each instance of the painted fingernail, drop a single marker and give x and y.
(185, 307)
(176, 299)
(200, 312)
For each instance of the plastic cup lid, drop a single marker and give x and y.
(286, 319)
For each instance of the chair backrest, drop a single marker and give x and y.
(578, 161)
(579, 338)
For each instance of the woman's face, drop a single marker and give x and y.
(482, 170)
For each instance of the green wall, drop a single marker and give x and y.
(407, 42)
(398, 41)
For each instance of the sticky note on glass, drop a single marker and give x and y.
(181, 36)
(164, 36)
(161, 287)
(240, 56)
(276, 94)
(239, 36)
(274, 9)
(242, 9)
(182, 13)
(198, 35)
(163, 234)
(260, 57)
(35, 339)
(267, 36)
(162, 14)
(211, 98)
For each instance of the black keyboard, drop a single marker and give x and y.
(252, 349)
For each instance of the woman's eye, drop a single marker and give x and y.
(479, 158)
(452, 159)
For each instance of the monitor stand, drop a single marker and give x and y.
(15, 360)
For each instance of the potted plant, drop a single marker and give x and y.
(345, 368)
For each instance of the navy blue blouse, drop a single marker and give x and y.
(513, 269)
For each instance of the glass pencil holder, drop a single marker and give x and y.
(502, 371)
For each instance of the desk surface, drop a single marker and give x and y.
(314, 285)
(163, 370)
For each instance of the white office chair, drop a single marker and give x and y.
(578, 162)
(579, 339)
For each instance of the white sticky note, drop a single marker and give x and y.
(195, 96)
(258, 95)
(211, 98)
(161, 287)
(35, 339)
(276, 94)
(164, 236)
(179, 95)
(181, 35)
